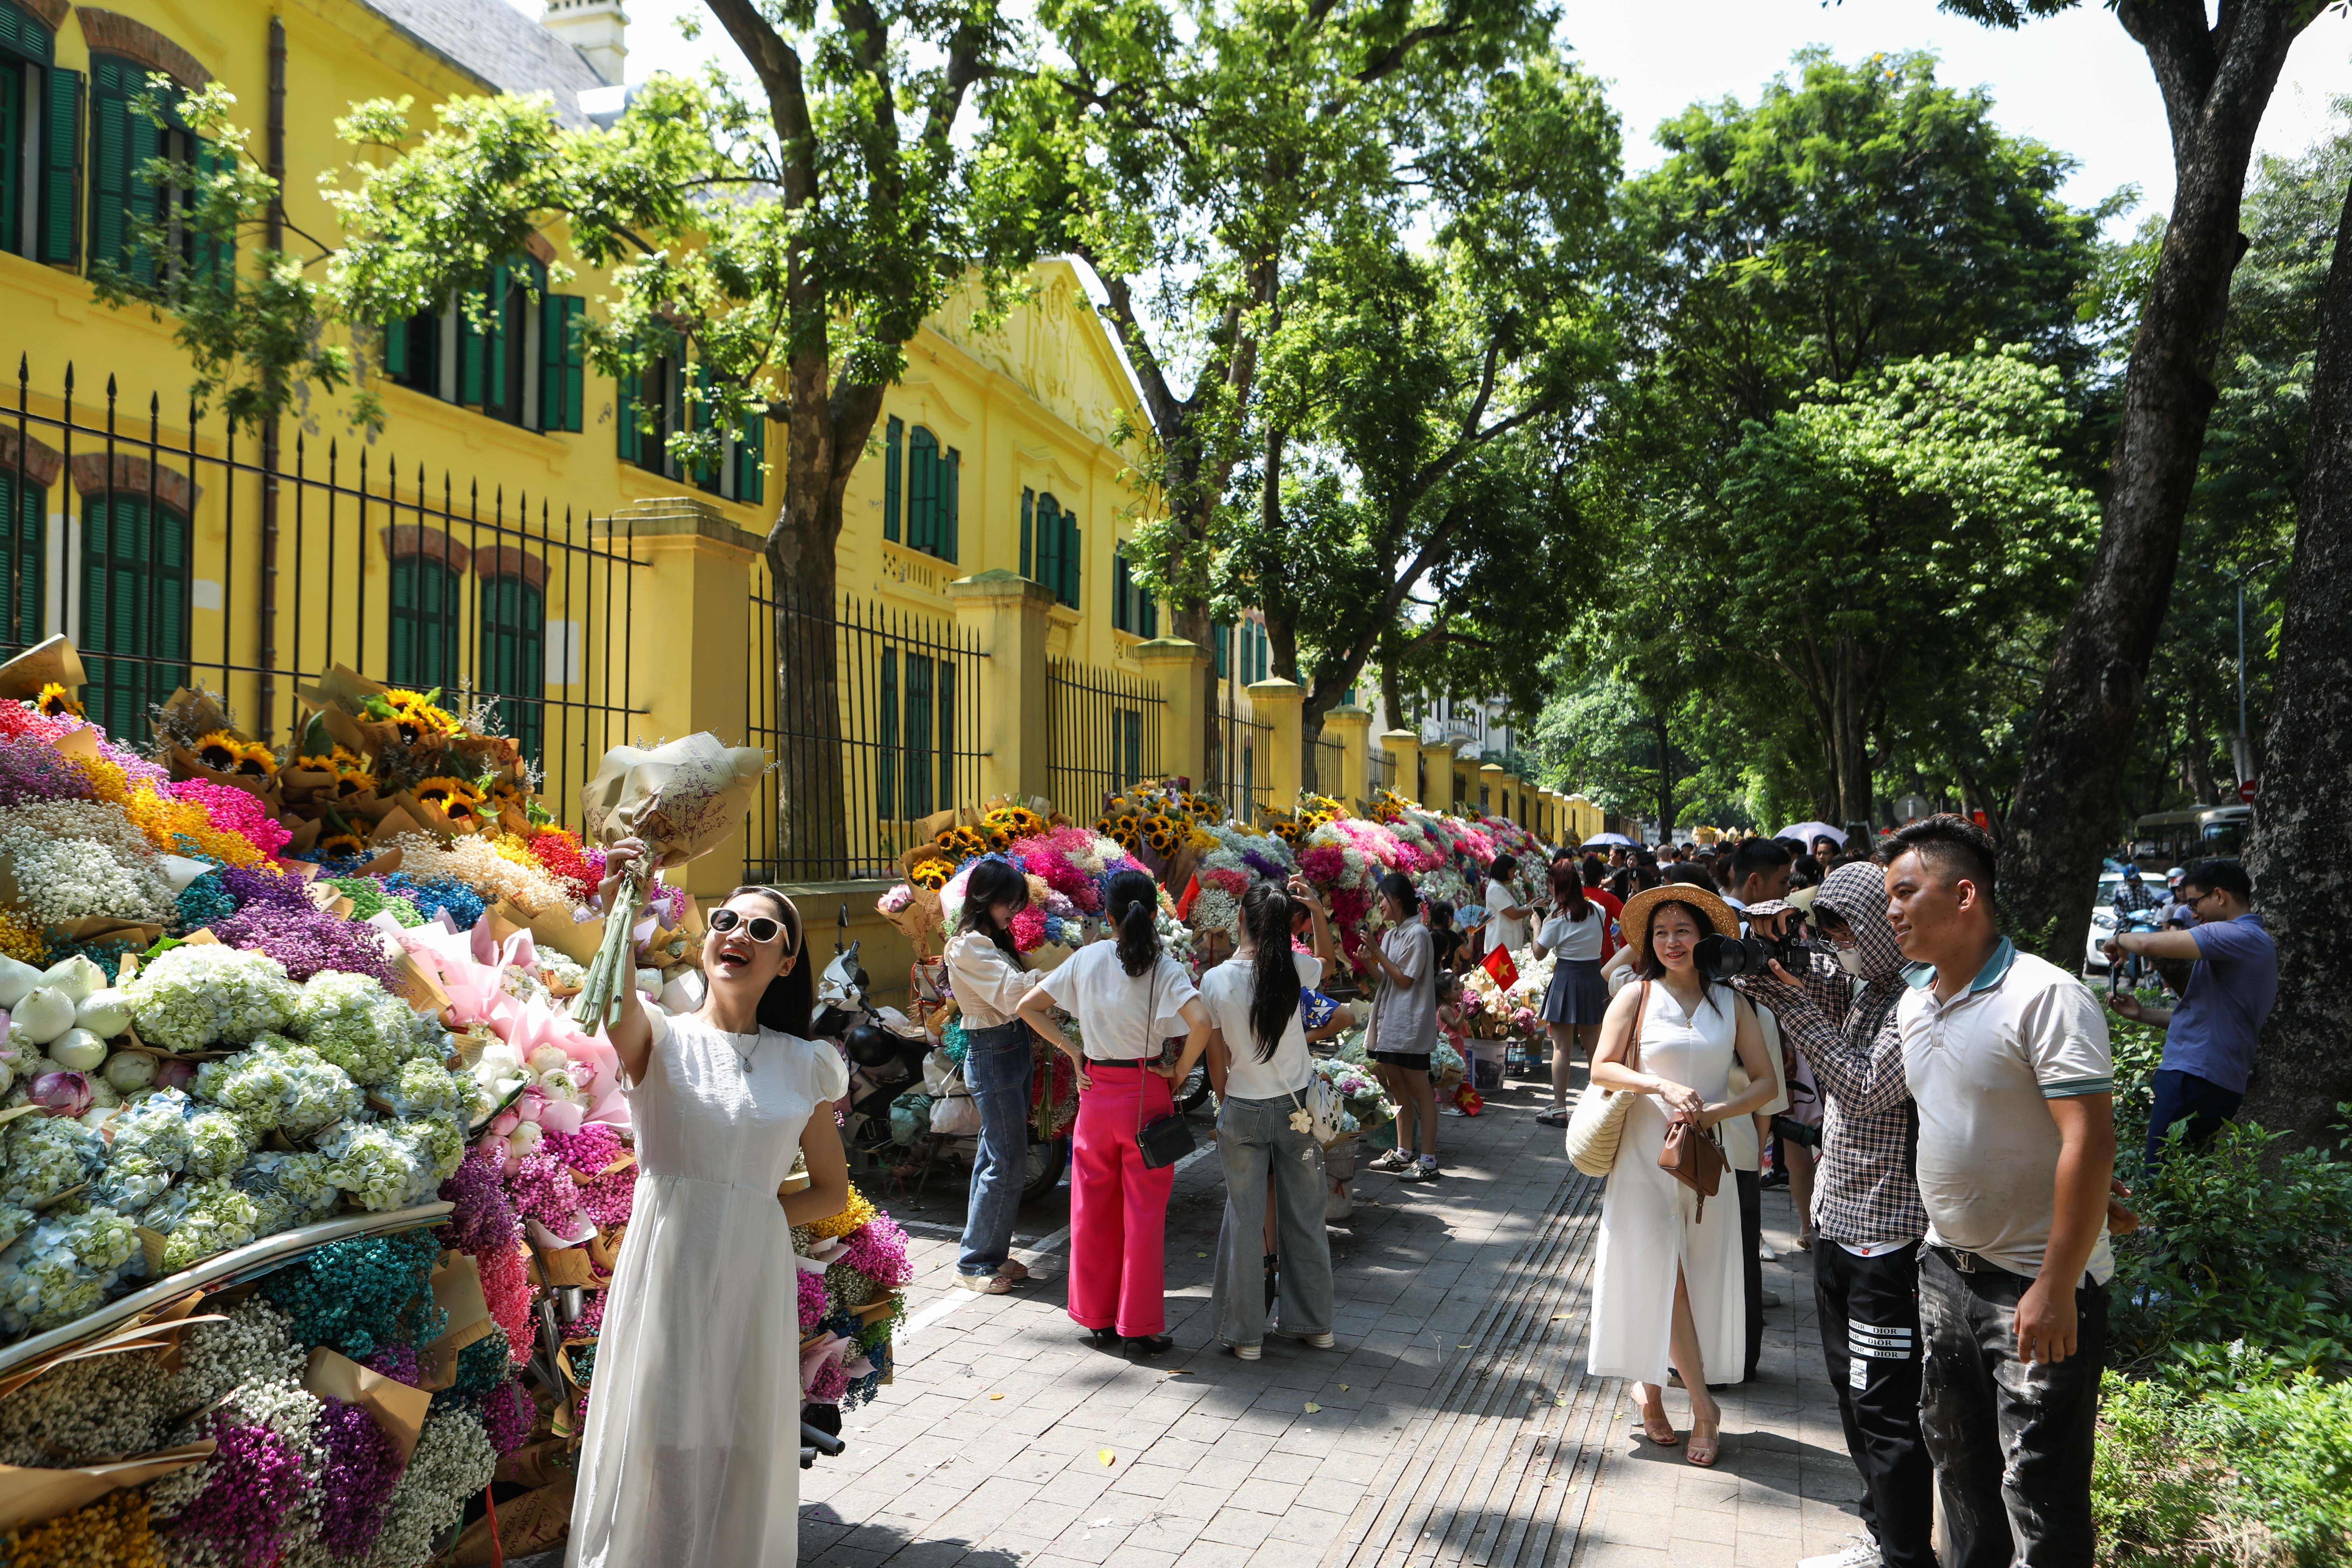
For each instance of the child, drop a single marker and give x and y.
(1443, 939)
(1449, 1026)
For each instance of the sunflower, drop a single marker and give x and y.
(931, 874)
(219, 751)
(1016, 821)
(457, 799)
(341, 846)
(256, 761)
(963, 842)
(1160, 834)
(58, 703)
(417, 715)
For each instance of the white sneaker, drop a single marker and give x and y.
(1245, 1352)
(1394, 1159)
(1861, 1551)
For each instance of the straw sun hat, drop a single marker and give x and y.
(1633, 921)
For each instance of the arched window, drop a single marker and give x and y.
(134, 605)
(514, 657)
(423, 632)
(22, 506)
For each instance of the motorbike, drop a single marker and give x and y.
(2126, 971)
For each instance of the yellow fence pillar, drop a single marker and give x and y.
(1006, 615)
(1488, 789)
(1353, 726)
(1511, 796)
(1276, 703)
(1437, 762)
(1180, 668)
(1403, 749)
(690, 630)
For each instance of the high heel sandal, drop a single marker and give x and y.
(1706, 1447)
(1652, 1426)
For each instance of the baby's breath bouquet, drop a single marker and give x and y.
(681, 799)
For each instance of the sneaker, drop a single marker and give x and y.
(1245, 1352)
(1394, 1159)
(1424, 1170)
(1312, 1342)
(1861, 1551)
(984, 1284)
(1771, 1298)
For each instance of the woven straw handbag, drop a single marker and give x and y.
(1594, 1131)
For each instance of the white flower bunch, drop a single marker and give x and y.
(278, 1084)
(1217, 910)
(48, 1155)
(355, 1024)
(155, 1126)
(389, 1165)
(478, 863)
(64, 1268)
(60, 880)
(556, 970)
(14, 1222)
(498, 1071)
(131, 1181)
(218, 1142)
(427, 1087)
(287, 1190)
(97, 821)
(94, 1408)
(201, 1219)
(453, 1461)
(204, 994)
(524, 985)
(254, 1345)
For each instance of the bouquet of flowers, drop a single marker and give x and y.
(1363, 1106)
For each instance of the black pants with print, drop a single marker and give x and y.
(1750, 1195)
(2012, 1441)
(1869, 1310)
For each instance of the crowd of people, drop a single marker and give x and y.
(1938, 1103)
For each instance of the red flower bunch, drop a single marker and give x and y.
(559, 850)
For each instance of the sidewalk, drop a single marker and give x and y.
(1454, 1423)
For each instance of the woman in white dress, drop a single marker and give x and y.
(692, 1453)
(1668, 1284)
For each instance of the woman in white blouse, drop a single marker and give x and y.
(1577, 998)
(986, 972)
(1128, 997)
(1404, 1029)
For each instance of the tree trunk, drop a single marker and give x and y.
(1665, 777)
(2303, 1071)
(2216, 82)
(1851, 741)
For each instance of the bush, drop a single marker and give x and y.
(2258, 1477)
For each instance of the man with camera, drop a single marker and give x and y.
(1836, 1005)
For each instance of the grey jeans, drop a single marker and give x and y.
(1258, 1147)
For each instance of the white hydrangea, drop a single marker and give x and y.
(204, 994)
(48, 1155)
(287, 1190)
(201, 1219)
(278, 1084)
(64, 1268)
(218, 1142)
(352, 1022)
(390, 1166)
(156, 1125)
(61, 880)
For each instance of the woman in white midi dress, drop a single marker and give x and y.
(1667, 1286)
(692, 1454)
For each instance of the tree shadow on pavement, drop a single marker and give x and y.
(827, 1540)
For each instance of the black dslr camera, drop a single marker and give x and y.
(1728, 957)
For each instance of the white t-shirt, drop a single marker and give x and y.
(1502, 930)
(1573, 939)
(1226, 991)
(1121, 1017)
(1980, 1068)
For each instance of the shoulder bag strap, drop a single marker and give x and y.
(1634, 1046)
(1151, 1026)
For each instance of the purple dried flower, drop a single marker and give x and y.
(543, 1190)
(250, 885)
(831, 1382)
(257, 1479)
(363, 1466)
(306, 940)
(483, 1221)
(401, 1364)
(811, 1298)
(1263, 867)
(508, 1416)
(32, 770)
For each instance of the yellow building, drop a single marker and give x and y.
(510, 529)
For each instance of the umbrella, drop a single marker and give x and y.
(1609, 841)
(1806, 832)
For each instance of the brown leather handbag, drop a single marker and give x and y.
(1695, 1155)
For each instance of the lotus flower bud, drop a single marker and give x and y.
(62, 1093)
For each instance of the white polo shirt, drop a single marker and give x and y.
(1980, 1068)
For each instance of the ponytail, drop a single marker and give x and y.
(1273, 978)
(1132, 901)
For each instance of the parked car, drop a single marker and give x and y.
(2102, 916)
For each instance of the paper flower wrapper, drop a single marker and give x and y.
(683, 799)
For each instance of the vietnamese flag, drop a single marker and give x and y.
(1184, 904)
(1499, 964)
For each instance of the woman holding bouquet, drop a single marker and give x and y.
(985, 969)
(692, 1452)
(1127, 996)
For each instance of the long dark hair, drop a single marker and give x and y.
(1273, 978)
(992, 881)
(1132, 901)
(1503, 867)
(789, 999)
(1568, 892)
(1399, 886)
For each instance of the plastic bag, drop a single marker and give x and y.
(910, 1118)
(955, 1113)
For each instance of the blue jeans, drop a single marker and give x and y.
(996, 1069)
(2185, 1096)
(1261, 1153)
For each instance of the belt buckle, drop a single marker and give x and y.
(1966, 1262)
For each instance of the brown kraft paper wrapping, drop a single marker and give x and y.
(36, 1497)
(399, 1409)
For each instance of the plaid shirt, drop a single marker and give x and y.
(1868, 1188)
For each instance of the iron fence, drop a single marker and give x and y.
(1243, 764)
(1380, 772)
(872, 713)
(1102, 733)
(182, 554)
(1331, 769)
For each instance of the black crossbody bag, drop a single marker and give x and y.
(1164, 1140)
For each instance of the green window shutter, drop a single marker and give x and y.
(13, 125)
(1223, 636)
(21, 31)
(1049, 544)
(396, 351)
(1073, 559)
(951, 482)
(216, 259)
(422, 652)
(696, 411)
(944, 675)
(1028, 558)
(917, 731)
(923, 494)
(514, 658)
(110, 165)
(885, 766)
(134, 600)
(628, 440)
(471, 374)
(1150, 608)
(498, 393)
(562, 363)
(750, 456)
(61, 168)
(1119, 590)
(894, 441)
(22, 559)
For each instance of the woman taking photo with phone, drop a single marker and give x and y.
(1127, 996)
(985, 969)
(692, 1452)
(1259, 1066)
(1403, 1028)
(1667, 1286)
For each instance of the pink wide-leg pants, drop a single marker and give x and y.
(1118, 1209)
